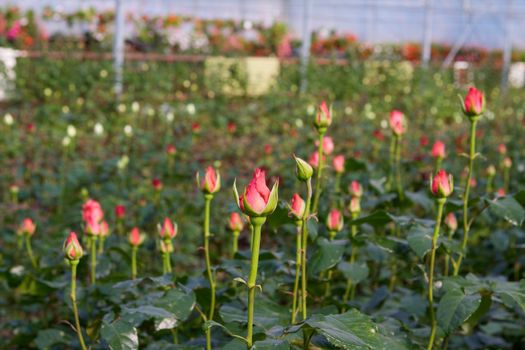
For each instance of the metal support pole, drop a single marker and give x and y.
(464, 36)
(305, 47)
(507, 48)
(118, 46)
(427, 36)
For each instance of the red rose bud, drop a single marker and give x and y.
(501, 192)
(451, 222)
(355, 189)
(438, 150)
(72, 248)
(268, 149)
(93, 227)
(257, 199)
(135, 237)
(473, 103)
(27, 227)
(507, 163)
(355, 205)
(211, 182)
(397, 122)
(378, 135)
(157, 184)
(168, 230)
(442, 184)
(423, 141)
(303, 170)
(196, 128)
(324, 117)
(104, 229)
(92, 212)
(334, 221)
(502, 149)
(171, 150)
(328, 145)
(235, 222)
(297, 207)
(339, 164)
(120, 211)
(231, 127)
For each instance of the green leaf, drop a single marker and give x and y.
(508, 209)
(356, 331)
(266, 314)
(420, 240)
(48, 337)
(378, 218)
(271, 344)
(326, 256)
(120, 335)
(356, 272)
(177, 302)
(454, 308)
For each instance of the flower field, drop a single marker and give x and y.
(375, 210)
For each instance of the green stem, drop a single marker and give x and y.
(73, 296)
(93, 259)
(297, 271)
(101, 245)
(441, 203)
(304, 242)
(327, 289)
(398, 168)
(134, 262)
(235, 242)
(439, 160)
(466, 226)
(506, 180)
(391, 160)
(319, 173)
(257, 224)
(490, 185)
(30, 250)
(207, 202)
(166, 260)
(350, 286)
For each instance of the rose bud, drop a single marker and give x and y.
(423, 141)
(93, 227)
(135, 237)
(211, 182)
(501, 192)
(438, 150)
(92, 211)
(14, 189)
(323, 118)
(27, 227)
(339, 164)
(442, 184)
(168, 230)
(104, 229)
(355, 189)
(378, 135)
(502, 149)
(268, 149)
(196, 128)
(120, 211)
(257, 199)
(473, 103)
(328, 145)
(451, 222)
(355, 205)
(231, 127)
(303, 170)
(314, 159)
(72, 248)
(397, 122)
(507, 162)
(171, 150)
(491, 170)
(235, 223)
(334, 221)
(297, 207)
(157, 184)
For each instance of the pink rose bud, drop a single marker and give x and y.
(473, 103)
(328, 145)
(157, 184)
(235, 223)
(104, 229)
(442, 184)
(491, 170)
(135, 238)
(297, 207)
(171, 150)
(93, 227)
(502, 149)
(196, 127)
(423, 141)
(268, 149)
(211, 182)
(72, 248)
(257, 199)
(451, 222)
(378, 135)
(501, 192)
(397, 122)
(92, 212)
(355, 189)
(120, 211)
(473, 182)
(355, 205)
(507, 163)
(339, 164)
(335, 220)
(232, 127)
(168, 230)
(323, 118)
(314, 159)
(438, 150)
(27, 227)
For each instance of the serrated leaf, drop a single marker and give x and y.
(48, 337)
(120, 335)
(454, 308)
(270, 344)
(326, 256)
(357, 272)
(177, 302)
(508, 209)
(378, 218)
(419, 239)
